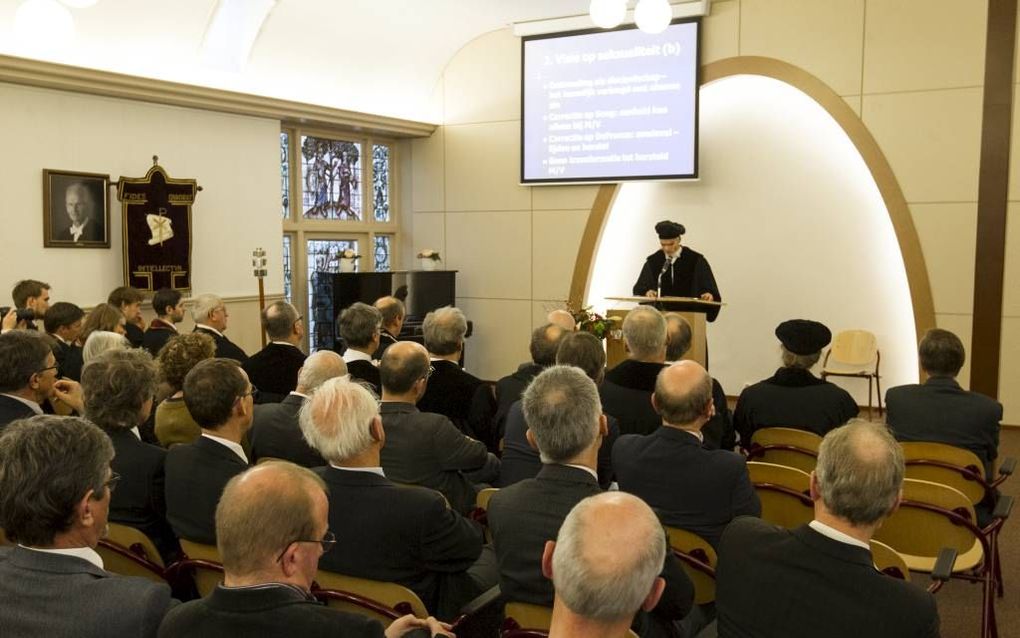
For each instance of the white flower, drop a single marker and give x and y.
(349, 254)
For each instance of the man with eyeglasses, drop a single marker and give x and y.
(28, 377)
(274, 369)
(55, 488)
(271, 527)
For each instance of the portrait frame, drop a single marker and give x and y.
(93, 191)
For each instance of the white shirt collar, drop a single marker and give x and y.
(371, 470)
(59, 338)
(355, 355)
(837, 535)
(172, 325)
(234, 447)
(298, 394)
(77, 230)
(284, 343)
(32, 404)
(209, 328)
(137, 434)
(585, 468)
(85, 553)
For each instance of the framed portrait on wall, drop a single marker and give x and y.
(76, 209)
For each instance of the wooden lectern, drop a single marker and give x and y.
(693, 310)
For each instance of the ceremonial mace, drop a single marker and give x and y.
(258, 263)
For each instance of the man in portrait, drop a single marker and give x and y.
(84, 221)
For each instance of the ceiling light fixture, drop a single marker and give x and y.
(607, 13)
(653, 16)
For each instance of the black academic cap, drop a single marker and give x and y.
(803, 336)
(669, 230)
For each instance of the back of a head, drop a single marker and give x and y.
(203, 306)
(678, 336)
(391, 309)
(358, 324)
(181, 353)
(116, 384)
(210, 390)
(336, 419)
(860, 472)
(563, 319)
(27, 288)
(562, 410)
(644, 330)
(101, 341)
(545, 340)
(47, 465)
(24, 353)
(278, 320)
(320, 367)
(62, 314)
(402, 365)
(261, 512)
(103, 317)
(124, 295)
(683, 392)
(609, 551)
(941, 353)
(164, 300)
(444, 330)
(583, 350)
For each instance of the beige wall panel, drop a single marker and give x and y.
(824, 38)
(428, 165)
(1011, 283)
(555, 238)
(948, 234)
(961, 326)
(483, 80)
(483, 168)
(721, 36)
(502, 330)
(924, 44)
(492, 251)
(563, 197)
(429, 232)
(932, 140)
(1009, 371)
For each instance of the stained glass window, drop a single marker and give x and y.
(331, 173)
(288, 276)
(382, 252)
(381, 182)
(323, 260)
(285, 174)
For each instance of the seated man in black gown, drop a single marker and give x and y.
(274, 369)
(627, 391)
(359, 325)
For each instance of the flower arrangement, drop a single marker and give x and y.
(428, 253)
(349, 254)
(590, 321)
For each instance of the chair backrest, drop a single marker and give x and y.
(129, 552)
(699, 559)
(924, 522)
(524, 620)
(888, 561)
(482, 499)
(783, 492)
(786, 446)
(136, 541)
(389, 596)
(788, 477)
(267, 459)
(947, 465)
(854, 347)
(205, 565)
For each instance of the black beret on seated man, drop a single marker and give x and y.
(55, 487)
(274, 369)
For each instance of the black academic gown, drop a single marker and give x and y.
(689, 276)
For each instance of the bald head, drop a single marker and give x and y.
(608, 556)
(319, 368)
(678, 336)
(683, 394)
(404, 364)
(280, 320)
(545, 340)
(563, 319)
(392, 311)
(860, 472)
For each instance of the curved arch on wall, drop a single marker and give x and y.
(852, 125)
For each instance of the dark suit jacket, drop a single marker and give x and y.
(157, 335)
(461, 397)
(401, 534)
(690, 487)
(773, 582)
(140, 498)
(93, 231)
(508, 392)
(940, 411)
(525, 515)
(385, 341)
(627, 394)
(275, 432)
(196, 474)
(363, 370)
(426, 449)
(225, 348)
(12, 410)
(60, 350)
(268, 611)
(74, 361)
(45, 594)
(273, 370)
(134, 334)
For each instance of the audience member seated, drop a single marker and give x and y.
(176, 359)
(390, 533)
(28, 294)
(605, 566)
(55, 488)
(627, 391)
(274, 369)
(28, 377)
(563, 319)
(819, 579)
(101, 341)
(359, 325)
(103, 318)
(718, 432)
(168, 304)
(424, 448)
(461, 397)
(565, 422)
(129, 301)
(210, 317)
(275, 431)
(272, 529)
(118, 387)
(218, 396)
(793, 397)
(545, 340)
(520, 458)
(691, 487)
(939, 410)
(393, 315)
(63, 322)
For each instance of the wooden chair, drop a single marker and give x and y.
(524, 620)
(784, 493)
(203, 563)
(382, 601)
(481, 511)
(933, 516)
(851, 355)
(129, 552)
(785, 446)
(699, 561)
(888, 561)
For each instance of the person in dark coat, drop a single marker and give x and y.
(627, 391)
(28, 377)
(819, 579)
(274, 369)
(545, 339)
(168, 304)
(129, 301)
(63, 322)
(393, 315)
(360, 328)
(677, 271)
(793, 397)
(210, 315)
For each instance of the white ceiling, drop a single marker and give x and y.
(375, 56)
